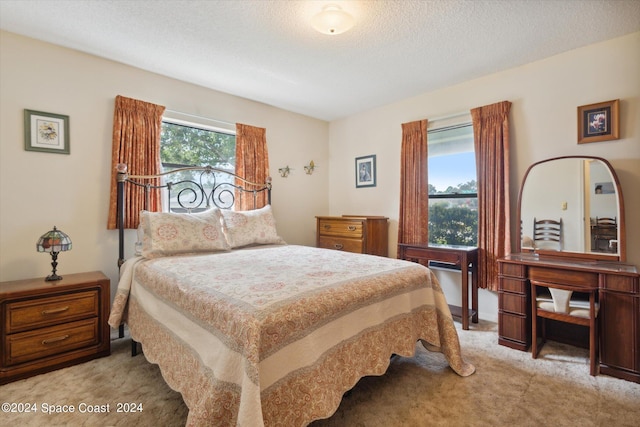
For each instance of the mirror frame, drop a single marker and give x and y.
(622, 247)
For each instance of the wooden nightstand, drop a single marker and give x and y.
(52, 325)
(351, 233)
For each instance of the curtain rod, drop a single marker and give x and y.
(199, 117)
(450, 116)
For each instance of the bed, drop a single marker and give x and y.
(253, 331)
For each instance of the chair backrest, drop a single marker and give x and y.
(547, 233)
(604, 234)
(606, 222)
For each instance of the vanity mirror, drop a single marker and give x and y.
(584, 193)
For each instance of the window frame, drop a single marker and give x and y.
(451, 195)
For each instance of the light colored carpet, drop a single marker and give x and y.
(509, 388)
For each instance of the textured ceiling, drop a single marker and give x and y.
(267, 51)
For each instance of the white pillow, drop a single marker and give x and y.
(256, 227)
(168, 233)
(139, 239)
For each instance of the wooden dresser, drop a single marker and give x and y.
(52, 325)
(352, 233)
(619, 297)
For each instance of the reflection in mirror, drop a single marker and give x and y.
(603, 209)
(583, 194)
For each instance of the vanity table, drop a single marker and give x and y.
(619, 296)
(579, 265)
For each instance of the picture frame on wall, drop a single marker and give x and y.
(46, 132)
(366, 171)
(604, 188)
(599, 122)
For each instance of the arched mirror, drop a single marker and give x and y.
(573, 207)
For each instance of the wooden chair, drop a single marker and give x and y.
(561, 303)
(545, 231)
(604, 231)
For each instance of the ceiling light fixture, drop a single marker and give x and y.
(332, 20)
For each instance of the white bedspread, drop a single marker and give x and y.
(276, 335)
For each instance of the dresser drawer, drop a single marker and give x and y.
(518, 286)
(340, 228)
(568, 277)
(341, 244)
(513, 303)
(627, 284)
(513, 270)
(46, 311)
(28, 346)
(353, 233)
(514, 327)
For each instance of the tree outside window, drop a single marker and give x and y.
(453, 189)
(189, 144)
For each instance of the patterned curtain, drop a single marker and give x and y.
(491, 135)
(136, 143)
(413, 223)
(252, 163)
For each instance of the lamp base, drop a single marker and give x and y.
(54, 263)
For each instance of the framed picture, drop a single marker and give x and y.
(366, 171)
(598, 122)
(46, 132)
(603, 188)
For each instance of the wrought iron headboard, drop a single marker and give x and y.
(204, 189)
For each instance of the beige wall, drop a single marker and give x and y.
(545, 95)
(40, 190)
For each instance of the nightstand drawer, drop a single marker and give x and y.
(348, 245)
(27, 346)
(341, 228)
(52, 325)
(48, 311)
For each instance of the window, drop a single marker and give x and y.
(453, 189)
(185, 144)
(191, 144)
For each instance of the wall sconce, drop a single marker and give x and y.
(284, 172)
(309, 169)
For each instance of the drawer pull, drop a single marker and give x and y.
(55, 310)
(352, 228)
(52, 340)
(327, 226)
(338, 246)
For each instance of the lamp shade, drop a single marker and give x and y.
(54, 241)
(332, 20)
